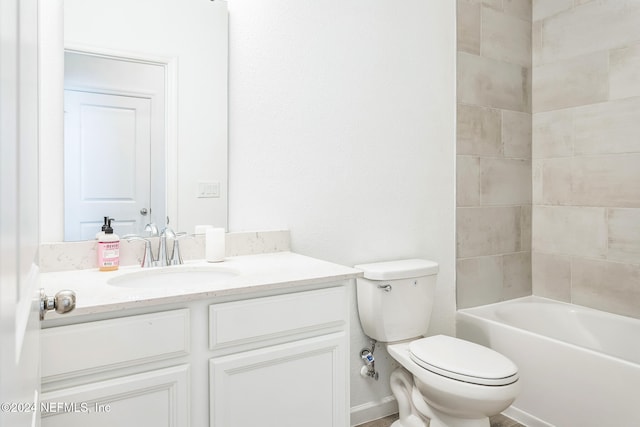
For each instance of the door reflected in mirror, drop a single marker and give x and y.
(114, 125)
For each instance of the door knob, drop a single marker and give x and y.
(63, 302)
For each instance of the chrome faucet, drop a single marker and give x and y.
(163, 256)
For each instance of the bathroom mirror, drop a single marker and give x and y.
(187, 40)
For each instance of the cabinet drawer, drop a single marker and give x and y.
(260, 319)
(107, 344)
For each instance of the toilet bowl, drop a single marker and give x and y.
(443, 381)
(461, 383)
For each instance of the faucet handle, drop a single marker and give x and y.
(176, 258)
(147, 257)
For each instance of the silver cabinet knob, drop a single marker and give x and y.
(143, 211)
(63, 302)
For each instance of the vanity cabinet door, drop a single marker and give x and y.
(301, 383)
(157, 398)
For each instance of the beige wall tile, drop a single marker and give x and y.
(493, 4)
(593, 27)
(468, 26)
(556, 181)
(576, 81)
(624, 235)
(536, 43)
(505, 181)
(518, 8)
(516, 134)
(506, 38)
(467, 181)
(551, 276)
(606, 180)
(517, 275)
(536, 184)
(542, 9)
(552, 134)
(479, 281)
(479, 131)
(608, 127)
(569, 230)
(525, 228)
(491, 83)
(624, 78)
(487, 231)
(608, 286)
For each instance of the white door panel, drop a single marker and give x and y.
(107, 162)
(19, 325)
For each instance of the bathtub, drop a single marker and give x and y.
(578, 366)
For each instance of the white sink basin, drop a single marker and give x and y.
(175, 277)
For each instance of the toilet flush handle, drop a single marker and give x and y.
(386, 288)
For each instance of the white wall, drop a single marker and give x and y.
(342, 123)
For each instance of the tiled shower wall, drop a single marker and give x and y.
(586, 153)
(493, 151)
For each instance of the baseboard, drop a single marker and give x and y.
(524, 417)
(373, 410)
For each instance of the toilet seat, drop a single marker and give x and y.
(463, 361)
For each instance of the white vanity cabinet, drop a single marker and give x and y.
(288, 361)
(97, 373)
(259, 358)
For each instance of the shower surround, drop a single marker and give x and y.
(586, 153)
(549, 203)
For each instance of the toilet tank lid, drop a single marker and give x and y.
(401, 269)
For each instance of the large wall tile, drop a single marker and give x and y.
(516, 134)
(552, 134)
(545, 8)
(572, 82)
(505, 181)
(491, 83)
(517, 275)
(608, 127)
(479, 281)
(569, 230)
(468, 26)
(593, 27)
(551, 276)
(518, 8)
(555, 181)
(607, 180)
(624, 79)
(467, 181)
(608, 286)
(624, 235)
(487, 231)
(525, 228)
(506, 38)
(479, 131)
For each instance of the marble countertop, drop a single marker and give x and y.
(99, 291)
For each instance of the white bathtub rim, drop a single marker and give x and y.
(533, 298)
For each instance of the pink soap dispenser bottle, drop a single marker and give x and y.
(108, 248)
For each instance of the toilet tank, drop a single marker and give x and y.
(395, 298)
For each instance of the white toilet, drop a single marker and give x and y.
(443, 381)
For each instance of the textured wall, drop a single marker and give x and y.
(493, 151)
(586, 150)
